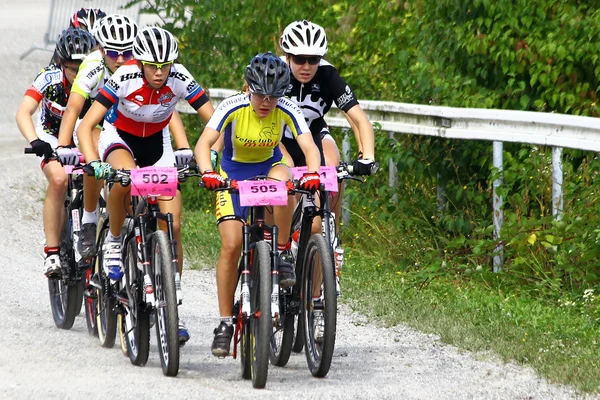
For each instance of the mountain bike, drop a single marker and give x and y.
(258, 309)
(317, 257)
(150, 285)
(66, 292)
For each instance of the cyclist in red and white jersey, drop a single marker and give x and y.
(115, 34)
(51, 88)
(137, 103)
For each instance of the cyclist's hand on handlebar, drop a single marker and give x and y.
(214, 158)
(183, 157)
(213, 180)
(362, 166)
(67, 155)
(41, 148)
(310, 181)
(100, 170)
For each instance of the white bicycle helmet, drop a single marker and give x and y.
(304, 38)
(154, 44)
(116, 32)
(87, 18)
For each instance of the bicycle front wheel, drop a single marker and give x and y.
(65, 292)
(260, 318)
(167, 319)
(282, 338)
(319, 306)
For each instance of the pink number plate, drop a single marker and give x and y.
(157, 181)
(69, 170)
(262, 193)
(328, 176)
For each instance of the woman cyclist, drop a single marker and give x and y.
(252, 125)
(52, 88)
(137, 103)
(115, 34)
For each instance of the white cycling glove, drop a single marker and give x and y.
(183, 157)
(68, 155)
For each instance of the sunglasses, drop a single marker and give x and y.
(72, 68)
(301, 60)
(156, 66)
(114, 54)
(265, 97)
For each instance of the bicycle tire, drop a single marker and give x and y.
(167, 319)
(106, 318)
(260, 319)
(90, 305)
(64, 292)
(319, 355)
(282, 337)
(136, 320)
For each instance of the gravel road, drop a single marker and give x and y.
(37, 360)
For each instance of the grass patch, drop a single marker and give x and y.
(560, 341)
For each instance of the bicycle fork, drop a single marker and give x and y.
(275, 274)
(142, 240)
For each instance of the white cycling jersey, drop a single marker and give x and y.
(92, 76)
(137, 108)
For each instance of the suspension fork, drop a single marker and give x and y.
(274, 273)
(245, 291)
(145, 259)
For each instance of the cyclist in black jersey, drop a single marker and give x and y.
(51, 88)
(315, 86)
(86, 19)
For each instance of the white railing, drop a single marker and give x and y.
(497, 126)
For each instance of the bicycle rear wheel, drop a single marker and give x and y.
(136, 320)
(65, 292)
(260, 318)
(106, 318)
(282, 337)
(90, 303)
(319, 317)
(167, 319)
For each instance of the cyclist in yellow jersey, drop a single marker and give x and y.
(252, 126)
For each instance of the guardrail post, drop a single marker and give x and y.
(557, 183)
(498, 216)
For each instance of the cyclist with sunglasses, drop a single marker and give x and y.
(137, 103)
(52, 88)
(252, 125)
(115, 34)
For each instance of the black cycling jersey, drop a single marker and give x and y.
(315, 99)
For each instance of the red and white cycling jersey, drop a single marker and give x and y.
(137, 108)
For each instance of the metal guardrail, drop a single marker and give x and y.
(497, 126)
(61, 12)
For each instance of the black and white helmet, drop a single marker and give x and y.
(116, 32)
(267, 74)
(87, 18)
(154, 44)
(304, 38)
(74, 44)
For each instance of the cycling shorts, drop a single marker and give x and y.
(228, 204)
(152, 150)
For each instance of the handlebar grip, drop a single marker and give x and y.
(28, 150)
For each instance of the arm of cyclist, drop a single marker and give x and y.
(69, 119)
(25, 123)
(84, 132)
(366, 137)
(208, 138)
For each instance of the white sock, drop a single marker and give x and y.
(89, 218)
(227, 320)
(111, 238)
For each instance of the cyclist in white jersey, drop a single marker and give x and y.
(115, 34)
(136, 104)
(51, 88)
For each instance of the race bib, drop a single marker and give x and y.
(328, 176)
(157, 181)
(262, 193)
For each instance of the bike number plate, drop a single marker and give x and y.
(328, 176)
(154, 181)
(262, 193)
